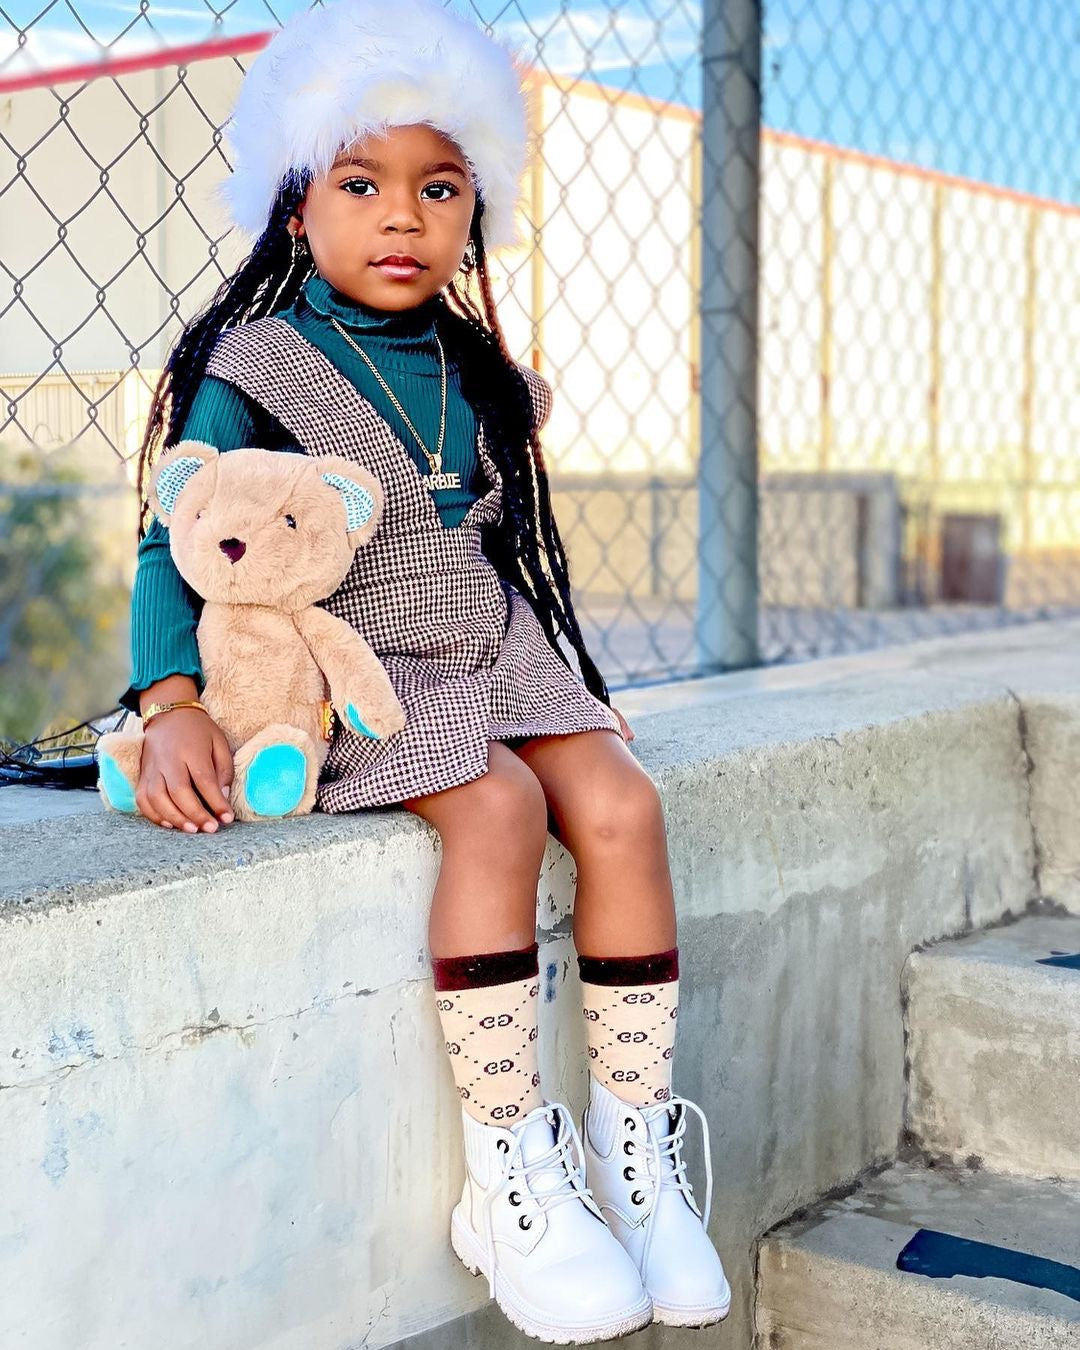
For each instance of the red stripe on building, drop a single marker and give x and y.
(210, 50)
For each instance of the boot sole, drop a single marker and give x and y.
(471, 1254)
(690, 1317)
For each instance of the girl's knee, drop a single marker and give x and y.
(508, 800)
(631, 812)
(504, 807)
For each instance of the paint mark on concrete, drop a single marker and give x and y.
(776, 856)
(78, 1040)
(82, 1038)
(942, 1256)
(1063, 960)
(122, 1030)
(551, 970)
(200, 1287)
(561, 929)
(90, 1126)
(55, 1162)
(171, 1042)
(11, 1244)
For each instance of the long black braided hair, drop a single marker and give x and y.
(525, 547)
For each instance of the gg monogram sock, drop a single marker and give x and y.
(630, 1005)
(487, 1004)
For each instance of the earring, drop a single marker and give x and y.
(300, 249)
(468, 262)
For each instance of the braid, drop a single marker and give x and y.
(266, 280)
(526, 548)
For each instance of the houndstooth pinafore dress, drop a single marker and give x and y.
(463, 649)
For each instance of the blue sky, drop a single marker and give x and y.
(989, 89)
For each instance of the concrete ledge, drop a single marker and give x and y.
(994, 1047)
(227, 1115)
(830, 1281)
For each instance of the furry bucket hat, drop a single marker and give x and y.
(341, 71)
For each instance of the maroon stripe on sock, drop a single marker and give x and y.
(659, 968)
(476, 972)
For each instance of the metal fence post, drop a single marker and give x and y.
(727, 605)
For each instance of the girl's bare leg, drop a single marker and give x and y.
(486, 979)
(607, 812)
(482, 934)
(493, 833)
(609, 816)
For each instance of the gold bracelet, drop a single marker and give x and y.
(155, 708)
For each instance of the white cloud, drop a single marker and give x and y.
(642, 38)
(200, 15)
(49, 49)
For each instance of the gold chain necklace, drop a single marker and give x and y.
(436, 479)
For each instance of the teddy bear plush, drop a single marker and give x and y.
(262, 535)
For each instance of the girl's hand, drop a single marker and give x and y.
(624, 725)
(187, 767)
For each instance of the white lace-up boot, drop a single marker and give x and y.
(529, 1223)
(636, 1171)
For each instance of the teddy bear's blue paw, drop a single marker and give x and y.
(118, 791)
(275, 780)
(357, 722)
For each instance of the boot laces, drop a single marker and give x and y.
(668, 1166)
(564, 1156)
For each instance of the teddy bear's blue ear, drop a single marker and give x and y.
(359, 503)
(174, 478)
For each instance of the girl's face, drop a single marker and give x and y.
(407, 194)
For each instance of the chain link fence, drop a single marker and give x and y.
(918, 391)
(804, 279)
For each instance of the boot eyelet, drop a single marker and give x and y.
(502, 1145)
(628, 1174)
(523, 1222)
(514, 1197)
(628, 1147)
(637, 1198)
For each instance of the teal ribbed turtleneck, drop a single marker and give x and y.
(164, 610)
(402, 345)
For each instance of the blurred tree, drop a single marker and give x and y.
(63, 604)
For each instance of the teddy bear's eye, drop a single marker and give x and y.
(291, 522)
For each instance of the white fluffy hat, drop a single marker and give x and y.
(336, 73)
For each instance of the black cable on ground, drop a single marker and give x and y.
(44, 763)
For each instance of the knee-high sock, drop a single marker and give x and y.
(488, 1007)
(631, 1004)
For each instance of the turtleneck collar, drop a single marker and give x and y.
(417, 322)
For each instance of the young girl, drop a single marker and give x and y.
(379, 151)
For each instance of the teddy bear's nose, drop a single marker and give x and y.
(234, 549)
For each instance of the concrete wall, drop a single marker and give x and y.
(227, 1119)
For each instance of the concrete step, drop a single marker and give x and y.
(994, 1048)
(927, 1259)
